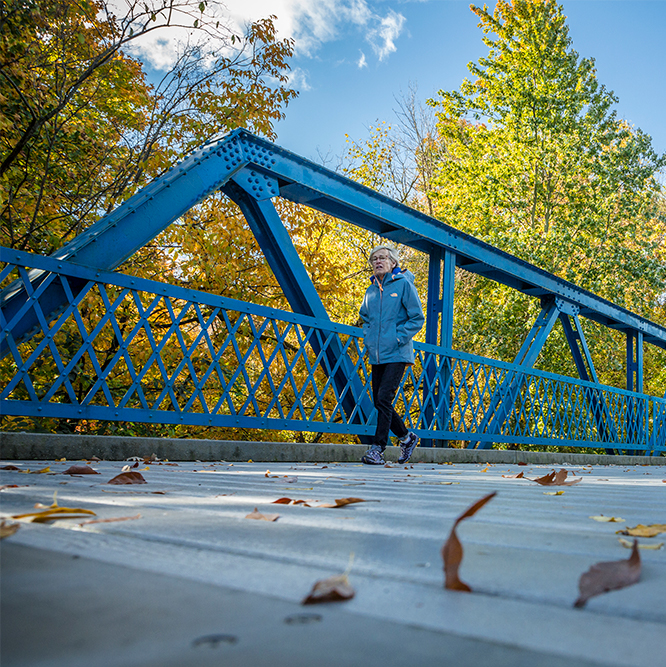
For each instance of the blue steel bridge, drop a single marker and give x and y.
(81, 341)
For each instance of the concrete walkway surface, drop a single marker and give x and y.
(186, 579)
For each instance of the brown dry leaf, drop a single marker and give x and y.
(518, 476)
(128, 478)
(644, 531)
(609, 576)
(556, 479)
(120, 518)
(7, 529)
(629, 545)
(452, 551)
(262, 517)
(607, 519)
(10, 467)
(333, 589)
(521, 463)
(290, 501)
(341, 502)
(80, 470)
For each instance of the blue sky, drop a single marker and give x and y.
(435, 41)
(353, 57)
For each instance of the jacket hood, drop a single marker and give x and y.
(397, 274)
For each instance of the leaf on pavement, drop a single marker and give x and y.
(80, 470)
(290, 501)
(556, 479)
(553, 493)
(7, 529)
(644, 531)
(128, 478)
(37, 472)
(520, 475)
(607, 519)
(452, 551)
(52, 513)
(609, 576)
(262, 517)
(10, 467)
(333, 589)
(341, 502)
(629, 545)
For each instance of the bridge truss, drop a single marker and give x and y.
(156, 352)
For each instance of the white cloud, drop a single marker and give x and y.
(311, 23)
(362, 62)
(383, 37)
(298, 79)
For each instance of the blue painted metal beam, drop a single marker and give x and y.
(283, 258)
(118, 235)
(504, 398)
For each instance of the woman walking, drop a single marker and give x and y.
(392, 315)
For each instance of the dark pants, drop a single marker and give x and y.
(385, 382)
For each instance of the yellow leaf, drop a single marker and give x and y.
(553, 493)
(609, 519)
(629, 545)
(644, 531)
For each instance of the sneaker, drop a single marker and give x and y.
(407, 445)
(374, 456)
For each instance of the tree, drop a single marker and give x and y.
(534, 160)
(81, 127)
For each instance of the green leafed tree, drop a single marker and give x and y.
(533, 159)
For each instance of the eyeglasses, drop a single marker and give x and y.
(379, 258)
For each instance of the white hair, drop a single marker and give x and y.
(392, 251)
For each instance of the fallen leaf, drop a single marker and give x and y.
(485, 470)
(262, 517)
(521, 463)
(452, 551)
(553, 493)
(128, 478)
(53, 512)
(609, 576)
(10, 467)
(341, 502)
(333, 589)
(151, 458)
(80, 470)
(125, 469)
(37, 472)
(556, 479)
(94, 458)
(608, 519)
(518, 476)
(290, 501)
(120, 518)
(629, 545)
(7, 529)
(644, 531)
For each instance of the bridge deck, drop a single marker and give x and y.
(192, 581)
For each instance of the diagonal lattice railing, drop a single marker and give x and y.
(130, 349)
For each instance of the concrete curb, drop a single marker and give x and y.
(46, 446)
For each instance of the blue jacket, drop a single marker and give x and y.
(392, 315)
